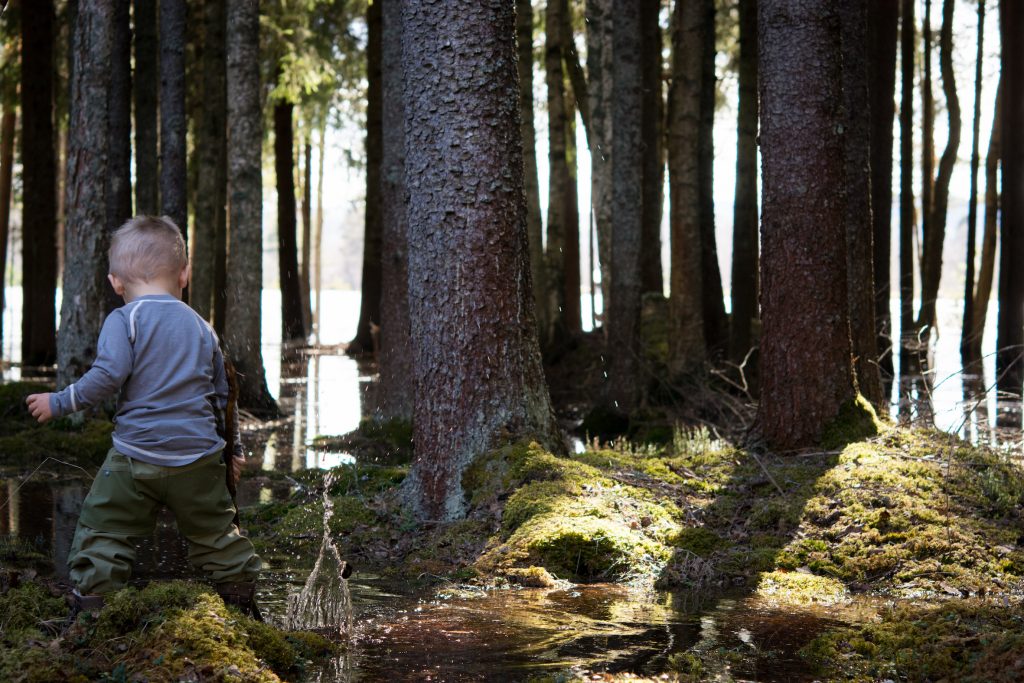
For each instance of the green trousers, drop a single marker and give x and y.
(123, 503)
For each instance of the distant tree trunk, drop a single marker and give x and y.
(245, 214)
(652, 133)
(147, 80)
(967, 357)
(1010, 342)
(7, 125)
(307, 230)
(479, 378)
(687, 344)
(319, 238)
(173, 122)
(856, 138)
(369, 309)
(39, 185)
(745, 218)
(600, 18)
(883, 25)
(85, 265)
(210, 147)
(935, 235)
(287, 248)
(927, 139)
(119, 187)
(534, 225)
(806, 365)
(907, 220)
(983, 292)
(396, 366)
(624, 367)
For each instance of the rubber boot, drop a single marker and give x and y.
(242, 596)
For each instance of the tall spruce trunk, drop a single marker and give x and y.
(39, 190)
(967, 357)
(369, 308)
(147, 81)
(211, 194)
(7, 126)
(986, 265)
(652, 134)
(292, 327)
(318, 238)
(927, 138)
(860, 277)
(806, 364)
(119, 187)
(687, 341)
(907, 219)
(242, 329)
(396, 366)
(743, 291)
(306, 212)
(1010, 339)
(599, 94)
(173, 120)
(883, 26)
(479, 381)
(534, 224)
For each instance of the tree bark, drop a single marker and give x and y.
(7, 125)
(599, 95)
(1010, 341)
(860, 277)
(39, 185)
(744, 240)
(967, 357)
(907, 220)
(173, 122)
(242, 330)
(927, 138)
(292, 327)
(369, 310)
(147, 80)
(307, 230)
(318, 238)
(687, 340)
(119, 188)
(396, 366)
(652, 133)
(211, 194)
(883, 25)
(986, 266)
(806, 364)
(479, 378)
(534, 225)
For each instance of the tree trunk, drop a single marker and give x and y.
(624, 368)
(212, 169)
(687, 345)
(652, 133)
(287, 248)
(369, 310)
(119, 188)
(39, 185)
(935, 234)
(1010, 342)
(318, 239)
(307, 230)
(245, 213)
(479, 378)
(883, 24)
(7, 125)
(860, 277)
(967, 358)
(806, 364)
(983, 292)
(88, 176)
(147, 80)
(534, 225)
(907, 220)
(927, 138)
(396, 366)
(599, 94)
(173, 123)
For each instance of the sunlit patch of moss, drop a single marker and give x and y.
(856, 420)
(800, 588)
(531, 577)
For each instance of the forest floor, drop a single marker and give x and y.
(923, 529)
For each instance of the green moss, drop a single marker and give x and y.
(24, 609)
(699, 540)
(799, 588)
(856, 420)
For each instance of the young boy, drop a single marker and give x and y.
(165, 361)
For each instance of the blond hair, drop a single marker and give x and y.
(145, 248)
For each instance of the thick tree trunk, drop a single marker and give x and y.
(599, 95)
(986, 266)
(935, 235)
(687, 345)
(907, 220)
(534, 225)
(307, 230)
(7, 125)
(860, 277)
(806, 364)
(744, 232)
(211, 194)
(396, 366)
(173, 122)
(119, 188)
(245, 213)
(479, 378)
(967, 357)
(1010, 341)
(147, 80)
(883, 25)
(652, 133)
(292, 327)
(88, 176)
(39, 182)
(369, 310)
(624, 354)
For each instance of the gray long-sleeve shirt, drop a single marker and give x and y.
(167, 364)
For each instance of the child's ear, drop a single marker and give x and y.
(116, 283)
(184, 276)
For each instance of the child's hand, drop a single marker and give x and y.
(39, 406)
